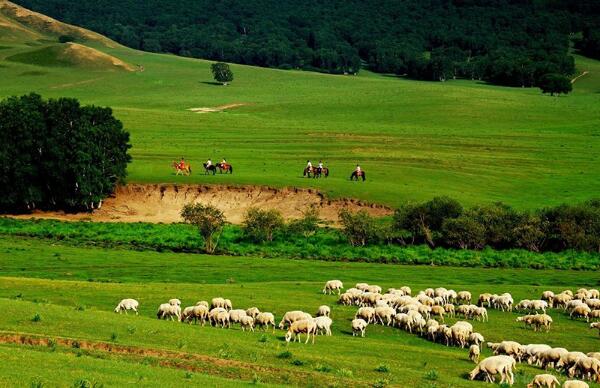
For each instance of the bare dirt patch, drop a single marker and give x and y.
(213, 109)
(162, 203)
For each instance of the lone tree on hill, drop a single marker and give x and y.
(208, 219)
(221, 72)
(555, 83)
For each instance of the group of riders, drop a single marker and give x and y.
(311, 171)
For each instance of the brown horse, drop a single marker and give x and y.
(225, 167)
(356, 174)
(182, 168)
(316, 172)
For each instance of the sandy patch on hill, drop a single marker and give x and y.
(162, 203)
(44, 24)
(85, 55)
(219, 108)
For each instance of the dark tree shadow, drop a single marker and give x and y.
(213, 83)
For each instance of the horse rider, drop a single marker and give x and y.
(358, 170)
(182, 163)
(224, 162)
(208, 163)
(320, 166)
(308, 165)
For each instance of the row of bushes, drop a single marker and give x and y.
(291, 242)
(444, 222)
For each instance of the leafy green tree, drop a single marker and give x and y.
(359, 228)
(308, 224)
(221, 72)
(555, 84)
(261, 225)
(209, 220)
(464, 232)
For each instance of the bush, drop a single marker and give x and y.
(573, 226)
(285, 354)
(66, 38)
(359, 228)
(464, 232)
(261, 225)
(308, 225)
(67, 156)
(209, 220)
(36, 318)
(555, 83)
(382, 368)
(499, 221)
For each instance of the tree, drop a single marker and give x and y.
(360, 228)
(221, 72)
(209, 220)
(57, 154)
(308, 224)
(464, 232)
(555, 83)
(261, 225)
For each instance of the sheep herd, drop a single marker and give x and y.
(424, 315)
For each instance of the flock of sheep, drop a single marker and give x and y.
(423, 314)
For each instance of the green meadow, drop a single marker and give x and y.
(474, 142)
(57, 292)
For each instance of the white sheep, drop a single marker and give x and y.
(323, 311)
(217, 302)
(333, 285)
(203, 303)
(474, 353)
(575, 384)
(464, 297)
(222, 318)
(359, 326)
(595, 325)
(293, 316)
(127, 304)
(167, 310)
(384, 314)
(304, 326)
(265, 320)
(476, 339)
(366, 313)
(544, 380)
(491, 366)
(323, 324)
(235, 316)
(247, 322)
(509, 348)
(252, 312)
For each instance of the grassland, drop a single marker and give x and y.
(73, 291)
(469, 140)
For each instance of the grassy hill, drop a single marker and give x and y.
(464, 139)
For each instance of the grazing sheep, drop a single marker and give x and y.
(235, 316)
(217, 302)
(361, 286)
(476, 339)
(561, 300)
(539, 305)
(594, 304)
(252, 312)
(174, 302)
(449, 308)
(485, 299)
(384, 313)
(575, 384)
(366, 313)
(323, 311)
(228, 305)
(346, 299)
(167, 310)
(203, 303)
(491, 366)
(594, 314)
(585, 367)
(594, 294)
(200, 313)
(222, 318)
(359, 326)
(551, 357)
(406, 290)
(293, 316)
(532, 352)
(582, 311)
(247, 322)
(438, 311)
(304, 326)
(567, 360)
(548, 296)
(595, 355)
(464, 297)
(474, 353)
(544, 380)
(509, 348)
(187, 314)
(323, 324)
(127, 304)
(541, 320)
(264, 320)
(333, 285)
(595, 325)
(480, 313)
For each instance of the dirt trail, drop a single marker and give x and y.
(162, 203)
(579, 76)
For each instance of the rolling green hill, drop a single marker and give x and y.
(416, 140)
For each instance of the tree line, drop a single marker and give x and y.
(505, 42)
(57, 154)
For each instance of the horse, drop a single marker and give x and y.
(208, 169)
(355, 174)
(316, 172)
(228, 168)
(182, 168)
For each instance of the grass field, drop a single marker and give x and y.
(469, 140)
(73, 291)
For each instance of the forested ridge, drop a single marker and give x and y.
(506, 42)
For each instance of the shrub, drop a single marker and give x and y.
(530, 233)
(208, 219)
(66, 38)
(464, 232)
(499, 221)
(261, 225)
(307, 225)
(382, 368)
(431, 375)
(323, 368)
(286, 354)
(297, 362)
(359, 228)
(555, 83)
(36, 318)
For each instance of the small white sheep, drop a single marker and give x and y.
(265, 320)
(323, 311)
(247, 322)
(359, 326)
(494, 365)
(174, 302)
(252, 312)
(127, 304)
(544, 380)
(333, 285)
(323, 324)
(235, 316)
(575, 384)
(474, 353)
(167, 310)
(292, 316)
(304, 326)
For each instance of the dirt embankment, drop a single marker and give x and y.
(163, 202)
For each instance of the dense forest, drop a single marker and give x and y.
(506, 42)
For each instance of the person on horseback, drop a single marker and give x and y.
(208, 163)
(182, 163)
(224, 162)
(358, 170)
(320, 167)
(308, 164)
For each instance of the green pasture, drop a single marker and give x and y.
(73, 291)
(471, 141)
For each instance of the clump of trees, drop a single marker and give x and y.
(221, 72)
(57, 154)
(444, 222)
(511, 43)
(209, 220)
(262, 225)
(555, 84)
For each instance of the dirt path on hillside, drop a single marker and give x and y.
(162, 203)
(579, 76)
